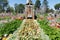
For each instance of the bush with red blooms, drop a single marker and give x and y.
(58, 25)
(50, 18)
(52, 24)
(53, 33)
(20, 18)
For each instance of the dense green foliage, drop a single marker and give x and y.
(45, 6)
(53, 33)
(45, 3)
(37, 4)
(29, 30)
(57, 6)
(3, 5)
(10, 9)
(9, 27)
(19, 8)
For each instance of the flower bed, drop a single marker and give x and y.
(29, 30)
(53, 33)
(9, 27)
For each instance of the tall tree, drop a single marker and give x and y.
(0, 8)
(16, 7)
(57, 6)
(19, 8)
(45, 5)
(10, 9)
(4, 4)
(37, 4)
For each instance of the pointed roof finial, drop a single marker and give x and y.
(29, 2)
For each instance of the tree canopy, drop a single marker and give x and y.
(3, 4)
(19, 8)
(10, 9)
(57, 6)
(45, 5)
(37, 4)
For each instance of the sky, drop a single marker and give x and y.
(51, 3)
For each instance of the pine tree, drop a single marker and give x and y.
(37, 4)
(45, 5)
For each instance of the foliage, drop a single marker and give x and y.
(37, 4)
(19, 8)
(10, 27)
(45, 5)
(4, 4)
(15, 6)
(29, 30)
(53, 33)
(57, 6)
(0, 8)
(10, 9)
(51, 10)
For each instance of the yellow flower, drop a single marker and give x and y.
(19, 31)
(29, 29)
(10, 35)
(4, 38)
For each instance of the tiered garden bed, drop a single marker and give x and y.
(29, 30)
(10, 27)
